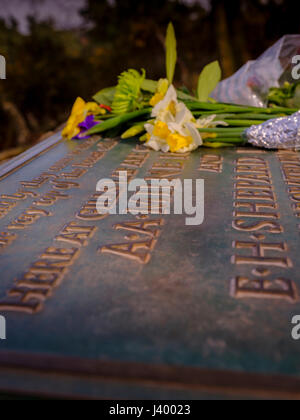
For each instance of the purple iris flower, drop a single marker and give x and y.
(85, 126)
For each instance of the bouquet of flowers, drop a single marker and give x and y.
(176, 120)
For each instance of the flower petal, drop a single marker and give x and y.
(183, 114)
(195, 134)
(170, 96)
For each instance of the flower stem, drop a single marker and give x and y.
(118, 121)
(242, 123)
(233, 131)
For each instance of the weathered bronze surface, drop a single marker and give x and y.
(130, 307)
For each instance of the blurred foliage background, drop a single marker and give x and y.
(47, 67)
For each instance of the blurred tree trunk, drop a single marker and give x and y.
(18, 121)
(219, 17)
(231, 35)
(10, 153)
(240, 42)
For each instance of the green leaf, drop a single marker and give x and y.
(134, 131)
(149, 85)
(105, 96)
(208, 80)
(184, 97)
(117, 121)
(171, 53)
(127, 96)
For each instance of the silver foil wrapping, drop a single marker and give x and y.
(280, 133)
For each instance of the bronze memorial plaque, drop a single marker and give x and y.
(147, 306)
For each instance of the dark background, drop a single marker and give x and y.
(51, 60)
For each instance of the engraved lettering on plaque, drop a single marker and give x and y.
(51, 198)
(251, 194)
(250, 178)
(89, 212)
(6, 238)
(162, 174)
(76, 235)
(243, 287)
(255, 210)
(29, 217)
(259, 251)
(106, 144)
(290, 165)
(75, 174)
(142, 227)
(137, 251)
(211, 163)
(37, 284)
(165, 164)
(131, 173)
(64, 185)
(90, 161)
(244, 226)
(294, 193)
(38, 182)
(176, 156)
(20, 195)
(61, 164)
(7, 205)
(245, 150)
(136, 160)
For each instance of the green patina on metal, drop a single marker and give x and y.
(205, 310)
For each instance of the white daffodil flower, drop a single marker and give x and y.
(155, 142)
(165, 109)
(194, 133)
(188, 130)
(175, 129)
(183, 114)
(158, 144)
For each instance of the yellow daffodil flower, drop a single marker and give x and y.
(79, 112)
(161, 91)
(178, 142)
(161, 130)
(156, 99)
